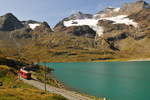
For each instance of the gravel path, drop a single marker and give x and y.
(71, 95)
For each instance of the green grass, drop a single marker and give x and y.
(27, 94)
(13, 89)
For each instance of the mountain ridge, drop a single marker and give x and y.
(110, 13)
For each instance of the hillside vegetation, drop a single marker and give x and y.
(14, 89)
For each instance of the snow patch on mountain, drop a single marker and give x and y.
(33, 26)
(92, 23)
(121, 19)
(116, 9)
(80, 22)
(97, 16)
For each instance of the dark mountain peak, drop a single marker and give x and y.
(9, 15)
(9, 22)
(46, 24)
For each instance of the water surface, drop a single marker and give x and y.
(114, 80)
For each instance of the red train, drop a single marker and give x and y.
(24, 73)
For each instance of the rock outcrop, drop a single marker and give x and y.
(43, 28)
(80, 31)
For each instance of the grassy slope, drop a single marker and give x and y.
(82, 49)
(13, 89)
(67, 49)
(39, 75)
(61, 47)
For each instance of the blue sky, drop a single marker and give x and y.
(53, 11)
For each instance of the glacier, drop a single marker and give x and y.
(121, 19)
(92, 23)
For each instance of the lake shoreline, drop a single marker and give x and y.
(146, 59)
(127, 60)
(111, 60)
(65, 87)
(130, 60)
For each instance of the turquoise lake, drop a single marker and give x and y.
(113, 80)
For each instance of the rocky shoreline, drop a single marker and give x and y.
(62, 85)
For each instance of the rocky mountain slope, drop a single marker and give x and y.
(11, 28)
(9, 22)
(113, 24)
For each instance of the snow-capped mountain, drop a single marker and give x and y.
(11, 26)
(79, 15)
(9, 22)
(93, 23)
(117, 15)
